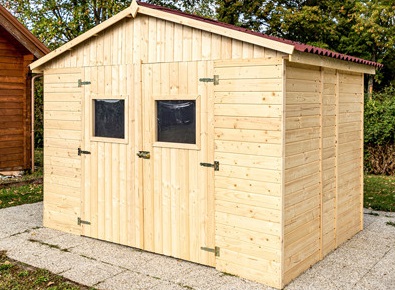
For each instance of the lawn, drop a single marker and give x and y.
(379, 192)
(12, 193)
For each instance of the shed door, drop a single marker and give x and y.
(111, 207)
(178, 192)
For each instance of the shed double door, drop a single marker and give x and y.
(151, 191)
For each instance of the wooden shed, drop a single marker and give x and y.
(203, 141)
(18, 49)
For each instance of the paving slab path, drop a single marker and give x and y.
(367, 261)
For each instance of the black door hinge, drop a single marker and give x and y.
(81, 83)
(215, 165)
(81, 222)
(216, 250)
(214, 80)
(82, 152)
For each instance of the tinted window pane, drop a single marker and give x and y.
(110, 118)
(176, 121)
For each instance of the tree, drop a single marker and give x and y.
(373, 37)
(57, 22)
(362, 28)
(204, 8)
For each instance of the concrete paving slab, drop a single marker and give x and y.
(129, 280)
(168, 286)
(90, 272)
(166, 268)
(113, 254)
(365, 262)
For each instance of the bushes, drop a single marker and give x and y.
(380, 133)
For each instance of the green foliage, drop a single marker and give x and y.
(57, 22)
(379, 133)
(204, 8)
(380, 118)
(38, 114)
(362, 28)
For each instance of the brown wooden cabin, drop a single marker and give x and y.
(18, 49)
(283, 121)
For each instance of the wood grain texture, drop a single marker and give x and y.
(15, 104)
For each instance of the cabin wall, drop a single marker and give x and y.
(112, 62)
(248, 187)
(323, 163)
(15, 106)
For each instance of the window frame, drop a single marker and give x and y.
(175, 145)
(93, 138)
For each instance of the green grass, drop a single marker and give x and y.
(18, 195)
(29, 193)
(18, 276)
(379, 192)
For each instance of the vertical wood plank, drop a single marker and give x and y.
(115, 193)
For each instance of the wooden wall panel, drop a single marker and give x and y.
(62, 138)
(350, 157)
(330, 105)
(248, 185)
(302, 205)
(323, 163)
(15, 110)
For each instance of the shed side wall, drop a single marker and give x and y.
(248, 144)
(323, 173)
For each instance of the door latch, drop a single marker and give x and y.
(215, 165)
(82, 152)
(144, 154)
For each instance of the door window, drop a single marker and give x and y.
(176, 121)
(109, 118)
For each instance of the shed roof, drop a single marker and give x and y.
(232, 31)
(22, 34)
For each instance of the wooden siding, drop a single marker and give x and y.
(349, 203)
(248, 144)
(323, 172)
(302, 169)
(62, 138)
(15, 110)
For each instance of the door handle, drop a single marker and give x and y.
(144, 154)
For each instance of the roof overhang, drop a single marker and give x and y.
(328, 62)
(22, 34)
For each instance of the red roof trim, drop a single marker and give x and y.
(298, 46)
